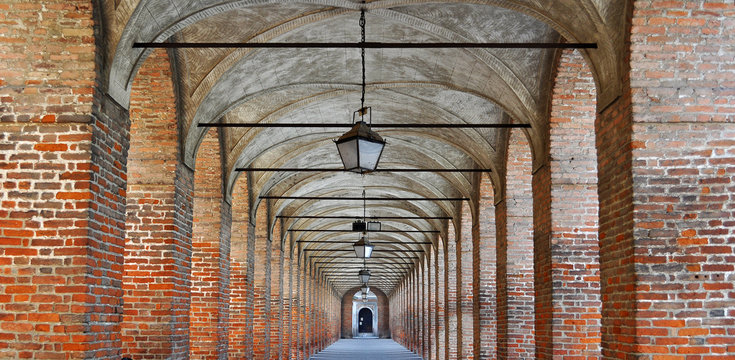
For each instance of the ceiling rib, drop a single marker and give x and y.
(363, 45)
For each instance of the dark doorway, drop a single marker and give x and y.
(365, 318)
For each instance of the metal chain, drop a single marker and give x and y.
(362, 54)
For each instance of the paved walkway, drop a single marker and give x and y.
(365, 349)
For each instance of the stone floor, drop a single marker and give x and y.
(365, 349)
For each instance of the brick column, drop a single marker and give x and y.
(681, 155)
(565, 221)
(465, 284)
(426, 310)
(241, 309)
(294, 304)
(515, 254)
(451, 271)
(433, 310)
(417, 307)
(484, 271)
(262, 288)
(63, 174)
(300, 308)
(441, 290)
(159, 211)
(210, 252)
(276, 297)
(287, 319)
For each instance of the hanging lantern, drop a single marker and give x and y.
(360, 148)
(363, 249)
(373, 226)
(364, 276)
(365, 289)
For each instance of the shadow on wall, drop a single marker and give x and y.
(383, 314)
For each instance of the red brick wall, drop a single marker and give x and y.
(483, 268)
(159, 227)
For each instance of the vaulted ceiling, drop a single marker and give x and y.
(435, 86)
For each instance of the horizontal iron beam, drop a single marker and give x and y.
(374, 251)
(363, 45)
(383, 275)
(394, 170)
(372, 242)
(386, 263)
(351, 256)
(376, 231)
(361, 217)
(377, 126)
(351, 198)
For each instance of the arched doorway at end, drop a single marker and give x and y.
(365, 321)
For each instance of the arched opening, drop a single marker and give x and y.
(353, 305)
(365, 321)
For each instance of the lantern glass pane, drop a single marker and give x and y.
(348, 153)
(360, 250)
(368, 251)
(369, 153)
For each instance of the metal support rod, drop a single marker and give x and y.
(350, 256)
(393, 170)
(377, 231)
(369, 217)
(381, 126)
(372, 242)
(374, 251)
(362, 45)
(273, 197)
(381, 265)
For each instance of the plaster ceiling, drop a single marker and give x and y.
(441, 86)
